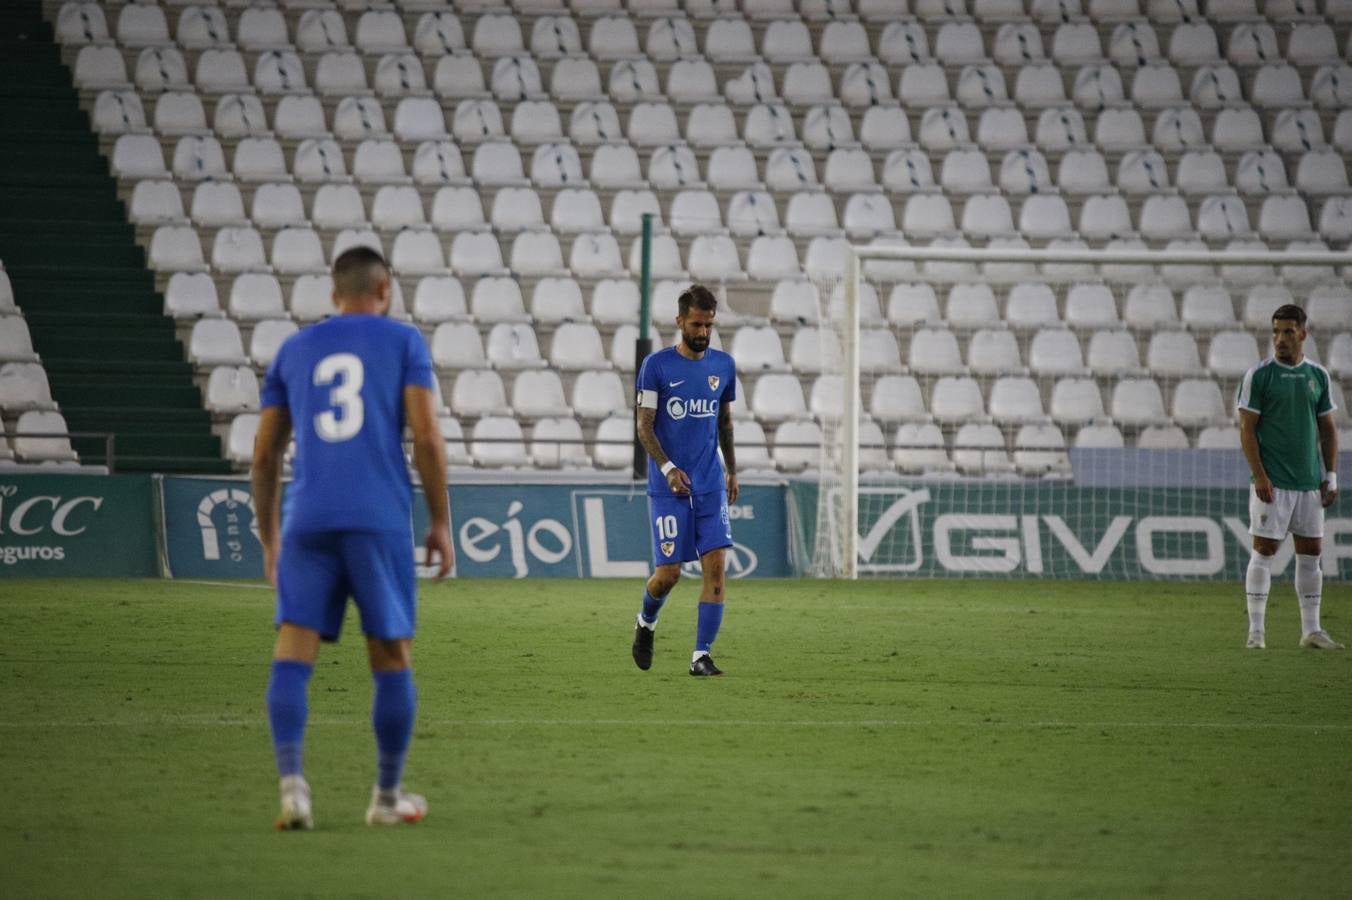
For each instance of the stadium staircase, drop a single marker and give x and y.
(111, 355)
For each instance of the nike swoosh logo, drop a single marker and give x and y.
(676, 383)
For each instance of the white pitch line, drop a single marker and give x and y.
(229, 584)
(261, 722)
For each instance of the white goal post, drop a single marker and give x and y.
(839, 512)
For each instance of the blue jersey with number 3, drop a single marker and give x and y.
(343, 381)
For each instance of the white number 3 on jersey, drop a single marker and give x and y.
(345, 397)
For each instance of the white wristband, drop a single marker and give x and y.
(1332, 479)
(667, 466)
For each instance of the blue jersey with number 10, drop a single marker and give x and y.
(343, 381)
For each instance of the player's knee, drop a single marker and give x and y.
(1264, 546)
(389, 655)
(664, 579)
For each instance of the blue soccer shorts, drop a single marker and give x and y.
(318, 571)
(685, 527)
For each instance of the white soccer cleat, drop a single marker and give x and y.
(1319, 640)
(296, 814)
(406, 808)
(1256, 641)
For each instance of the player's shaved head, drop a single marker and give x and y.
(1290, 313)
(696, 296)
(358, 273)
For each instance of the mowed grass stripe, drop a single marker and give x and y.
(906, 738)
(172, 722)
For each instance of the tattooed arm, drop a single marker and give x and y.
(729, 454)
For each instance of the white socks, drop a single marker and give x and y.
(1257, 583)
(1309, 588)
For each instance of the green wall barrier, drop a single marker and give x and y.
(77, 525)
(1045, 530)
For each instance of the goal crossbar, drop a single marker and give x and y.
(850, 351)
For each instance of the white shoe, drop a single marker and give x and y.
(1319, 640)
(296, 814)
(1256, 641)
(406, 807)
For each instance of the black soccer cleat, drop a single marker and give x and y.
(643, 646)
(705, 666)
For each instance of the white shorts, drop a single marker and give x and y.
(1291, 512)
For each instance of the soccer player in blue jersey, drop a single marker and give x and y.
(347, 386)
(685, 396)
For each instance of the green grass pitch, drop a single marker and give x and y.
(901, 738)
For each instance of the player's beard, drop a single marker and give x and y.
(696, 344)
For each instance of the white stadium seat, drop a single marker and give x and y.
(913, 304)
(52, 447)
(919, 447)
(1055, 351)
(1173, 353)
(216, 342)
(993, 351)
(1197, 402)
(457, 345)
(796, 445)
(577, 346)
(318, 30)
(1076, 400)
(81, 23)
(1162, 437)
(1016, 399)
(312, 298)
(538, 394)
(160, 69)
(300, 116)
(337, 206)
(934, 352)
(979, 449)
(1113, 353)
(176, 112)
(255, 296)
(613, 447)
(777, 397)
(497, 442)
(24, 386)
(268, 337)
(1138, 401)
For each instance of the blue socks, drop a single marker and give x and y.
(710, 617)
(287, 710)
(391, 717)
(396, 700)
(651, 607)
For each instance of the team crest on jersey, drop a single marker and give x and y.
(668, 547)
(1314, 387)
(713, 382)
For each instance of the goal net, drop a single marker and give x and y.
(1057, 412)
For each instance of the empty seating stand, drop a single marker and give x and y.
(503, 158)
